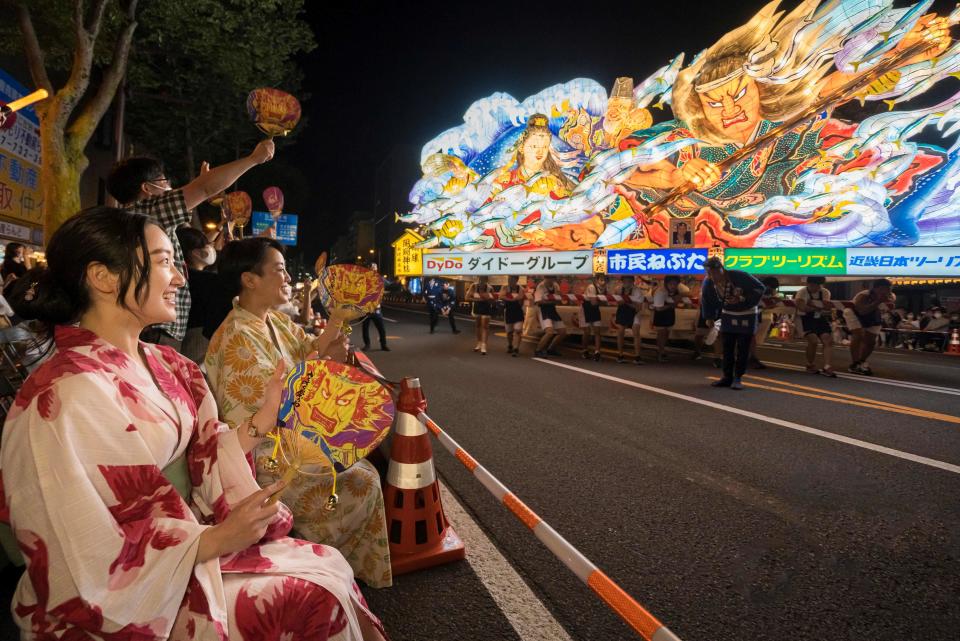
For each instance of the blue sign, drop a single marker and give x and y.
(286, 226)
(656, 261)
(10, 90)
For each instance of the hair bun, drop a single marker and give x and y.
(36, 296)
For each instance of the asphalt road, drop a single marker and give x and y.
(800, 508)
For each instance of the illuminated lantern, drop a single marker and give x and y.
(273, 199)
(237, 206)
(275, 112)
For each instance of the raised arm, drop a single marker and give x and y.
(212, 182)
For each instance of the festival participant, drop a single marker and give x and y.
(376, 317)
(478, 295)
(513, 314)
(732, 296)
(112, 548)
(141, 185)
(814, 313)
(665, 302)
(590, 321)
(204, 291)
(628, 316)
(771, 298)
(864, 322)
(243, 352)
(552, 325)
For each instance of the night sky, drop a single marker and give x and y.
(389, 78)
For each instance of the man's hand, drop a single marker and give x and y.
(263, 152)
(700, 173)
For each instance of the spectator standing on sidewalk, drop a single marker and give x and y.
(814, 313)
(513, 314)
(865, 323)
(204, 289)
(732, 295)
(552, 325)
(590, 320)
(142, 186)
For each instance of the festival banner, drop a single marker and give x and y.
(801, 262)
(514, 263)
(20, 195)
(903, 261)
(407, 257)
(655, 261)
(286, 226)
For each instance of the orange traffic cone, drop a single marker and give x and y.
(785, 333)
(420, 535)
(954, 346)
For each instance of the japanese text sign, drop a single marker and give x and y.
(787, 261)
(407, 257)
(20, 195)
(656, 261)
(286, 231)
(904, 261)
(507, 262)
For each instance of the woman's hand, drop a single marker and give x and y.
(245, 525)
(266, 417)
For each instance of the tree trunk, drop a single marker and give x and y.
(60, 171)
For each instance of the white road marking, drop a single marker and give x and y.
(878, 380)
(949, 467)
(522, 608)
(389, 320)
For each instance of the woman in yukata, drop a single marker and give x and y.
(240, 361)
(113, 549)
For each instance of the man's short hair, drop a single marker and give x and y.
(240, 256)
(125, 178)
(713, 263)
(816, 280)
(880, 282)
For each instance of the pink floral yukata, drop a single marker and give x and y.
(109, 543)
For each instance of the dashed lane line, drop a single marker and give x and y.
(913, 458)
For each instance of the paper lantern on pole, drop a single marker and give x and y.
(237, 206)
(273, 199)
(275, 112)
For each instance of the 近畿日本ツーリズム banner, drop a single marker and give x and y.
(798, 129)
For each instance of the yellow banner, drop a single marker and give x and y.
(407, 259)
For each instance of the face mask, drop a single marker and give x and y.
(208, 256)
(937, 315)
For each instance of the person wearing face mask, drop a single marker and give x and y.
(204, 291)
(140, 184)
(242, 353)
(134, 504)
(934, 326)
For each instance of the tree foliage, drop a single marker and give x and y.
(193, 65)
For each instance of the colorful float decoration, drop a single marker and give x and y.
(275, 112)
(797, 129)
(332, 415)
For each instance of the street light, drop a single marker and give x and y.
(371, 251)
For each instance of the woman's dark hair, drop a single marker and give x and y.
(816, 280)
(242, 256)
(125, 178)
(771, 282)
(191, 239)
(10, 251)
(671, 279)
(58, 294)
